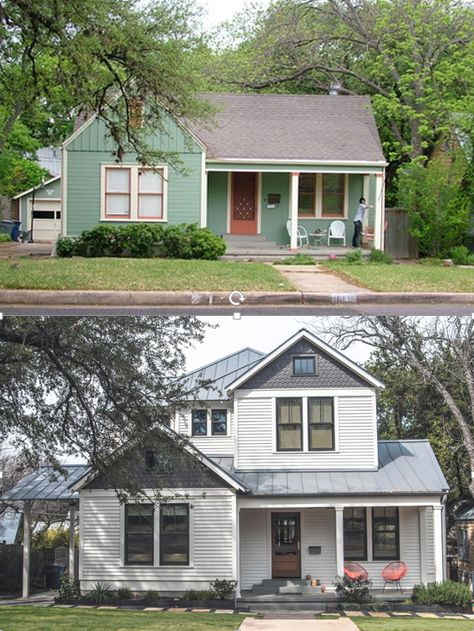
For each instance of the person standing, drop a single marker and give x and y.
(359, 222)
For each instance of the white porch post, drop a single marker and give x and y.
(72, 520)
(236, 541)
(26, 548)
(295, 178)
(204, 176)
(423, 546)
(379, 211)
(339, 540)
(438, 542)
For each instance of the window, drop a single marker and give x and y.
(219, 422)
(150, 460)
(305, 365)
(199, 422)
(139, 534)
(333, 195)
(307, 195)
(161, 462)
(321, 424)
(385, 534)
(463, 544)
(133, 193)
(355, 534)
(289, 424)
(174, 534)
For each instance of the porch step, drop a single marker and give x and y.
(239, 238)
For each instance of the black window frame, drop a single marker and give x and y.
(192, 422)
(376, 557)
(213, 433)
(305, 358)
(150, 461)
(178, 563)
(332, 424)
(463, 544)
(147, 563)
(279, 400)
(346, 518)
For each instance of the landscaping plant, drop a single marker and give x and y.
(353, 590)
(199, 594)
(461, 255)
(379, 256)
(5, 238)
(354, 256)
(447, 593)
(151, 595)
(68, 588)
(223, 588)
(124, 593)
(100, 593)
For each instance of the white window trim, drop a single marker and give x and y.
(318, 210)
(134, 196)
(305, 426)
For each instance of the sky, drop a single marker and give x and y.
(217, 11)
(263, 333)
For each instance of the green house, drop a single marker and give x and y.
(267, 165)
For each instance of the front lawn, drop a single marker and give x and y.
(406, 277)
(26, 618)
(139, 275)
(412, 624)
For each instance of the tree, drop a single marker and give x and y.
(97, 388)
(415, 58)
(60, 57)
(439, 352)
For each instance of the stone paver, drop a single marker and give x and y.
(355, 614)
(153, 609)
(427, 615)
(314, 278)
(378, 614)
(343, 624)
(400, 613)
(227, 611)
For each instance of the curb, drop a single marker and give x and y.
(47, 298)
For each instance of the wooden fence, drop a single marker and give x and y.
(398, 241)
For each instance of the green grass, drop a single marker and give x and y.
(406, 277)
(412, 624)
(139, 275)
(45, 619)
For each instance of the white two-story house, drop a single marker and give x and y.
(290, 481)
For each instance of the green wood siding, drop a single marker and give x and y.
(93, 148)
(217, 202)
(274, 219)
(50, 191)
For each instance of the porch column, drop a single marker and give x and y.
(339, 540)
(204, 175)
(236, 546)
(438, 542)
(294, 187)
(26, 548)
(72, 520)
(423, 547)
(379, 211)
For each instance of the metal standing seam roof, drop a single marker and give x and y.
(47, 484)
(290, 127)
(467, 515)
(222, 373)
(406, 467)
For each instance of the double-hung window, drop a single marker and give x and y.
(304, 365)
(385, 534)
(307, 195)
(321, 424)
(289, 421)
(322, 195)
(209, 422)
(139, 534)
(133, 193)
(333, 197)
(219, 422)
(199, 422)
(174, 534)
(355, 534)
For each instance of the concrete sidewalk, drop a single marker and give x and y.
(343, 624)
(317, 279)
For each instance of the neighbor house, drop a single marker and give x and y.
(263, 160)
(283, 478)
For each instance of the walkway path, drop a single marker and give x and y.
(343, 624)
(316, 278)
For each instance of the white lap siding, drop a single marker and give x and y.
(102, 541)
(356, 441)
(209, 445)
(255, 559)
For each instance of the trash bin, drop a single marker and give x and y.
(15, 233)
(53, 575)
(6, 226)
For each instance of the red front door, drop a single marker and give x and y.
(244, 207)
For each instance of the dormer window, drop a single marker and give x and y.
(219, 422)
(205, 422)
(304, 365)
(199, 422)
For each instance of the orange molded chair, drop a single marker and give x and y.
(355, 571)
(393, 573)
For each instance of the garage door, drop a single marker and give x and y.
(46, 219)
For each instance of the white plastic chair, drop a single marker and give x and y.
(337, 230)
(302, 237)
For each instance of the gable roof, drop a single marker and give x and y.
(405, 467)
(48, 484)
(38, 187)
(316, 341)
(222, 372)
(289, 127)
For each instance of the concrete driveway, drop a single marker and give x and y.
(343, 624)
(17, 250)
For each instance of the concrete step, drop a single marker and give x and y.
(236, 238)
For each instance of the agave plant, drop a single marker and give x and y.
(100, 593)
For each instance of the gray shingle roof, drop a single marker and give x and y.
(222, 373)
(47, 484)
(291, 127)
(406, 467)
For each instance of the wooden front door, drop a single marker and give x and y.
(244, 206)
(286, 554)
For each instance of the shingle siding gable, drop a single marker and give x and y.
(278, 375)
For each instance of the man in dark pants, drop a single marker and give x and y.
(359, 222)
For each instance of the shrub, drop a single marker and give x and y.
(223, 588)
(5, 238)
(379, 256)
(353, 590)
(100, 241)
(139, 240)
(203, 594)
(355, 256)
(447, 593)
(124, 593)
(151, 595)
(68, 588)
(100, 593)
(299, 259)
(65, 247)
(461, 255)
(190, 242)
